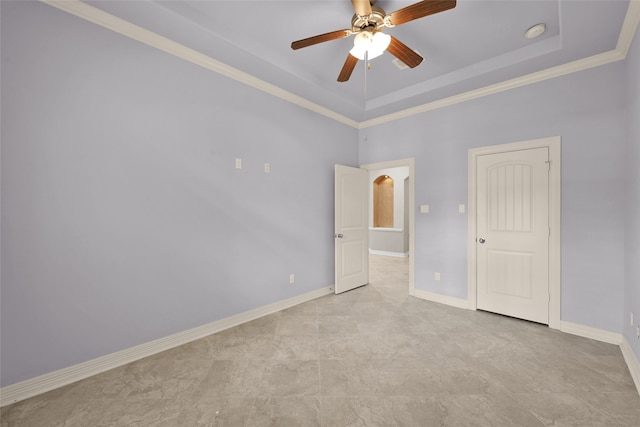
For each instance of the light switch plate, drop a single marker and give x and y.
(238, 163)
(461, 208)
(424, 208)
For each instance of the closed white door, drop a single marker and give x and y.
(512, 240)
(351, 228)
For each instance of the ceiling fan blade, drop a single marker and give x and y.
(420, 10)
(310, 41)
(362, 7)
(347, 68)
(404, 53)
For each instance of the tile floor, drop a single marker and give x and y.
(371, 357)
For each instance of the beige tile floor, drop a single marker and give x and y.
(371, 357)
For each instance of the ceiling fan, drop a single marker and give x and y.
(369, 41)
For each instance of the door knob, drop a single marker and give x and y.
(338, 236)
(481, 240)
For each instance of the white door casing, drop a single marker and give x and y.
(553, 144)
(351, 228)
(512, 232)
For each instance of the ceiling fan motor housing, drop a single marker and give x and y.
(375, 20)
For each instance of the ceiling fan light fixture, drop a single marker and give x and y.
(361, 43)
(372, 45)
(380, 41)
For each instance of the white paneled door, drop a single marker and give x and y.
(351, 228)
(512, 240)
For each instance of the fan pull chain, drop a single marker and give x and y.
(366, 61)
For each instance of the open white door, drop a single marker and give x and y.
(513, 233)
(351, 228)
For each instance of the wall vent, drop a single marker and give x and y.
(401, 65)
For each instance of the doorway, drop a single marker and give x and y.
(514, 230)
(407, 217)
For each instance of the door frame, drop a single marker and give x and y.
(411, 163)
(554, 146)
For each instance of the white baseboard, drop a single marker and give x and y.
(442, 299)
(386, 253)
(592, 333)
(47, 382)
(632, 362)
(567, 327)
(611, 338)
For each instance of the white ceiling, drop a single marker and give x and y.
(474, 45)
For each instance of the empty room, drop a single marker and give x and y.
(320, 213)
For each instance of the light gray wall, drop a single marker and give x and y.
(123, 217)
(632, 285)
(124, 220)
(587, 110)
(387, 240)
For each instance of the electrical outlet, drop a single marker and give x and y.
(292, 279)
(436, 275)
(238, 163)
(267, 168)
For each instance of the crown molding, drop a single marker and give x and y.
(135, 32)
(539, 76)
(629, 27)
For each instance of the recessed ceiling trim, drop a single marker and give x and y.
(629, 27)
(551, 44)
(135, 32)
(549, 73)
(128, 29)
